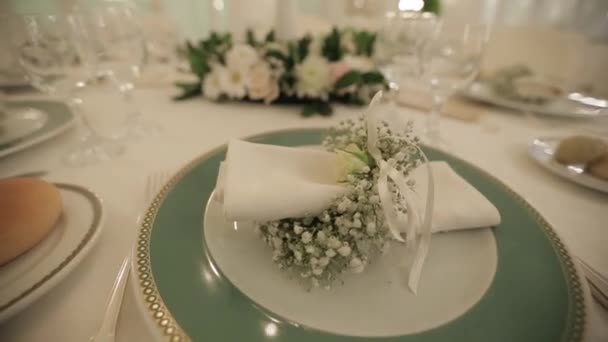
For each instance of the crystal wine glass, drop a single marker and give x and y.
(450, 61)
(119, 53)
(47, 53)
(401, 39)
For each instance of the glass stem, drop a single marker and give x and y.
(433, 120)
(133, 114)
(90, 135)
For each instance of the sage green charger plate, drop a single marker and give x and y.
(536, 295)
(59, 119)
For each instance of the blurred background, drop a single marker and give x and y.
(562, 39)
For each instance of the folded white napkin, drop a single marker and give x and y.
(458, 205)
(266, 182)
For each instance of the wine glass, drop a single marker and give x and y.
(449, 61)
(46, 51)
(117, 51)
(400, 40)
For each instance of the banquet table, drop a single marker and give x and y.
(73, 310)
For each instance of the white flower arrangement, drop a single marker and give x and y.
(312, 71)
(352, 231)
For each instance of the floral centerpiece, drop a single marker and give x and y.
(311, 71)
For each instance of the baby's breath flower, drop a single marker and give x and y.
(306, 237)
(334, 243)
(356, 265)
(344, 250)
(321, 237)
(370, 228)
(352, 230)
(298, 229)
(323, 261)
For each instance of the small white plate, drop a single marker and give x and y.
(560, 107)
(59, 118)
(542, 150)
(16, 123)
(32, 274)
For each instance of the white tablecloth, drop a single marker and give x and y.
(73, 310)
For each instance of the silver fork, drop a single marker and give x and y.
(598, 284)
(107, 330)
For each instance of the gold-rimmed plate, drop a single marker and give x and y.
(32, 274)
(189, 291)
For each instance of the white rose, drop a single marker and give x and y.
(313, 77)
(232, 82)
(351, 160)
(261, 83)
(359, 63)
(212, 87)
(241, 57)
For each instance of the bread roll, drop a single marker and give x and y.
(29, 209)
(580, 150)
(599, 167)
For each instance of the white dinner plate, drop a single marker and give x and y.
(542, 150)
(59, 118)
(559, 107)
(34, 273)
(16, 123)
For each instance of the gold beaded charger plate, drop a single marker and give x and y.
(198, 278)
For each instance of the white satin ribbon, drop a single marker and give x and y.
(418, 234)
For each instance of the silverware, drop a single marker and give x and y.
(598, 284)
(107, 331)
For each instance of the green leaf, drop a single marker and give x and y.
(348, 79)
(198, 65)
(276, 54)
(303, 46)
(197, 59)
(324, 108)
(308, 109)
(364, 42)
(293, 53)
(270, 36)
(316, 107)
(372, 77)
(189, 90)
(433, 6)
(331, 46)
(250, 38)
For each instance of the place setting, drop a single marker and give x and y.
(324, 244)
(372, 202)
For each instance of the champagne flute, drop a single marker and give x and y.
(450, 61)
(46, 51)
